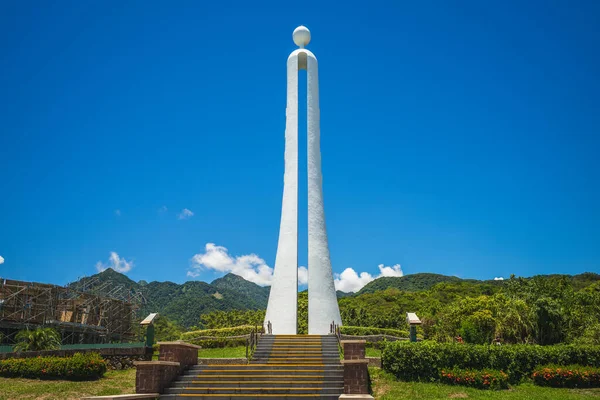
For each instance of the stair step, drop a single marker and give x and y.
(215, 396)
(255, 377)
(256, 367)
(290, 367)
(255, 390)
(259, 383)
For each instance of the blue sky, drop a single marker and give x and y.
(458, 137)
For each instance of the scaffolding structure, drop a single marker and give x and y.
(88, 311)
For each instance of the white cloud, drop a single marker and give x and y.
(498, 278)
(163, 209)
(394, 270)
(115, 262)
(118, 213)
(1, 260)
(250, 267)
(350, 281)
(185, 214)
(193, 274)
(254, 269)
(302, 275)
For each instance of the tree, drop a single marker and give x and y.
(38, 339)
(166, 330)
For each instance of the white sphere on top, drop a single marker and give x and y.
(301, 36)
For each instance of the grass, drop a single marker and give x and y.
(114, 382)
(372, 352)
(225, 352)
(386, 387)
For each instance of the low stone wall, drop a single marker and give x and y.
(115, 357)
(184, 353)
(374, 361)
(155, 376)
(174, 358)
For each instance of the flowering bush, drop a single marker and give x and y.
(570, 376)
(484, 379)
(78, 367)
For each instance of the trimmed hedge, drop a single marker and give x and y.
(217, 343)
(570, 376)
(222, 332)
(424, 360)
(78, 367)
(367, 330)
(196, 337)
(480, 379)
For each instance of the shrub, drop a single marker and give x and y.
(78, 367)
(478, 328)
(423, 361)
(570, 376)
(37, 339)
(200, 337)
(365, 331)
(480, 379)
(222, 332)
(217, 343)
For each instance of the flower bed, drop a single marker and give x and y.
(570, 376)
(78, 367)
(484, 379)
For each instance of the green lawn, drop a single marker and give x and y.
(385, 387)
(372, 352)
(114, 382)
(225, 352)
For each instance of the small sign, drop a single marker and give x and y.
(412, 319)
(149, 319)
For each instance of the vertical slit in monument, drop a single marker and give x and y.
(302, 184)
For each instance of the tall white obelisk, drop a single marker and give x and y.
(283, 300)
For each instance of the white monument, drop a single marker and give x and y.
(322, 300)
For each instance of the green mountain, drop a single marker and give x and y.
(382, 303)
(408, 283)
(341, 295)
(103, 281)
(238, 284)
(181, 303)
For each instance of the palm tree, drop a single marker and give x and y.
(38, 339)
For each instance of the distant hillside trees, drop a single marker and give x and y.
(545, 309)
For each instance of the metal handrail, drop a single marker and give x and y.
(252, 341)
(334, 329)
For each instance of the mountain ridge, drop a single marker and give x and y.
(185, 303)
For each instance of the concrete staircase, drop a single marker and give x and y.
(291, 367)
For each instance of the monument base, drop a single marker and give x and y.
(357, 396)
